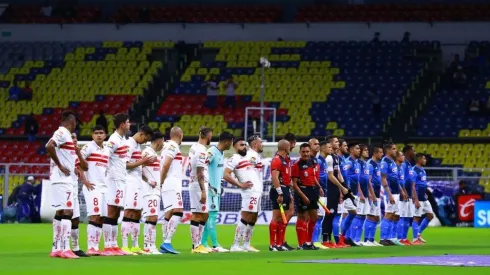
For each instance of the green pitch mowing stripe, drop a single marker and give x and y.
(24, 249)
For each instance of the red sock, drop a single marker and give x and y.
(273, 228)
(301, 230)
(311, 228)
(281, 232)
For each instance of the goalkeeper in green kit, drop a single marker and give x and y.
(215, 159)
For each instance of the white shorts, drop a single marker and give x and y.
(362, 207)
(392, 208)
(195, 197)
(405, 209)
(76, 205)
(133, 197)
(96, 201)
(116, 192)
(425, 208)
(340, 208)
(151, 205)
(349, 205)
(251, 202)
(63, 196)
(321, 211)
(172, 199)
(375, 210)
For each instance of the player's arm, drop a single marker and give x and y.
(384, 182)
(338, 182)
(166, 165)
(233, 181)
(83, 179)
(361, 194)
(415, 198)
(275, 181)
(144, 161)
(51, 149)
(81, 159)
(372, 196)
(298, 191)
(317, 183)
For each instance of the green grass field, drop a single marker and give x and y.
(24, 249)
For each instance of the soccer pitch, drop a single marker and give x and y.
(24, 249)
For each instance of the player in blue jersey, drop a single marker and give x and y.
(370, 225)
(421, 204)
(366, 195)
(406, 213)
(353, 171)
(325, 150)
(397, 229)
(215, 158)
(341, 154)
(389, 180)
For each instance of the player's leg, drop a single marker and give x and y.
(312, 215)
(75, 233)
(130, 195)
(347, 222)
(199, 214)
(63, 200)
(407, 221)
(92, 199)
(254, 208)
(173, 206)
(151, 204)
(242, 224)
(56, 247)
(361, 214)
(387, 223)
(332, 202)
(115, 202)
(301, 222)
(289, 215)
(337, 221)
(429, 215)
(317, 232)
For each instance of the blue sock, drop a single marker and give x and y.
(400, 229)
(423, 225)
(415, 229)
(336, 227)
(358, 236)
(391, 225)
(405, 229)
(385, 229)
(372, 232)
(318, 229)
(353, 228)
(367, 230)
(346, 223)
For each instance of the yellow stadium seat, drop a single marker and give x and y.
(331, 125)
(475, 133)
(464, 133)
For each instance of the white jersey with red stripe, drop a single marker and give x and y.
(244, 171)
(198, 158)
(117, 151)
(256, 161)
(65, 150)
(151, 172)
(173, 181)
(134, 155)
(74, 176)
(98, 160)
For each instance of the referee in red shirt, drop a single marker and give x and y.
(307, 191)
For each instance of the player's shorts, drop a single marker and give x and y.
(63, 197)
(362, 207)
(425, 208)
(286, 195)
(76, 206)
(375, 210)
(333, 198)
(195, 197)
(349, 205)
(151, 205)
(133, 198)
(96, 201)
(405, 209)
(172, 199)
(391, 208)
(321, 211)
(251, 201)
(116, 192)
(312, 193)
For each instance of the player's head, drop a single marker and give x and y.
(409, 152)
(99, 134)
(344, 149)
(256, 143)
(400, 157)
(75, 139)
(334, 141)
(390, 150)
(176, 134)
(206, 134)
(314, 145)
(226, 139)
(305, 151)
(240, 146)
(284, 146)
(364, 151)
(420, 159)
(157, 141)
(354, 149)
(143, 135)
(69, 120)
(326, 148)
(377, 152)
(121, 122)
(292, 140)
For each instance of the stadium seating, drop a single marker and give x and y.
(394, 12)
(24, 14)
(311, 84)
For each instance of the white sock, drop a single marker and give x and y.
(150, 235)
(135, 233)
(56, 236)
(195, 234)
(201, 229)
(107, 228)
(114, 233)
(74, 240)
(125, 231)
(248, 235)
(164, 229)
(146, 236)
(98, 234)
(240, 230)
(172, 227)
(91, 236)
(153, 235)
(65, 235)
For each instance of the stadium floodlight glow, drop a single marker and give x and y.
(265, 64)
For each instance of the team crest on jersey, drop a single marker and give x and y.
(253, 159)
(110, 144)
(423, 178)
(402, 177)
(356, 171)
(394, 169)
(202, 156)
(346, 167)
(304, 166)
(378, 173)
(171, 148)
(366, 172)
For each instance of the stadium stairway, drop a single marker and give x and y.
(400, 124)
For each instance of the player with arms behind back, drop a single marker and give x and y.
(61, 150)
(151, 192)
(171, 179)
(215, 158)
(198, 188)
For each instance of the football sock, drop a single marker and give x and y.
(172, 226)
(240, 230)
(57, 231)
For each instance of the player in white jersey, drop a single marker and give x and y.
(248, 180)
(151, 192)
(61, 150)
(171, 180)
(133, 204)
(95, 188)
(116, 183)
(198, 188)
